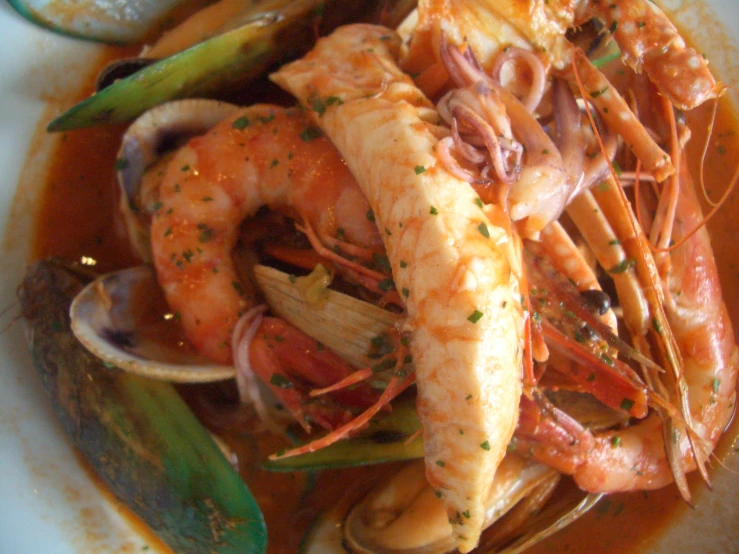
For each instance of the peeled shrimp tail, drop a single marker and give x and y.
(456, 269)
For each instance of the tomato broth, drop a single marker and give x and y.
(80, 221)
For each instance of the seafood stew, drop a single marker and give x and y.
(631, 399)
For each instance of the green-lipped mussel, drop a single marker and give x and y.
(137, 434)
(269, 33)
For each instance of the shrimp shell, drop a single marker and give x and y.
(458, 270)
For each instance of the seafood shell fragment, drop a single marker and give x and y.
(113, 318)
(344, 324)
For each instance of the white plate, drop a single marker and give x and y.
(47, 502)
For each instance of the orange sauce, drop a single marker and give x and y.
(80, 218)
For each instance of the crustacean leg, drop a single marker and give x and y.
(649, 42)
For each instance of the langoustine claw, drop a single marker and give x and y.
(458, 270)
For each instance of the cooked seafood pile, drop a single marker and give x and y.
(442, 205)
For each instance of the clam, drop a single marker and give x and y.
(343, 323)
(405, 514)
(401, 513)
(121, 318)
(146, 147)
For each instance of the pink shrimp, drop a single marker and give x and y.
(262, 156)
(634, 458)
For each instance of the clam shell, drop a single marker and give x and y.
(344, 324)
(400, 513)
(112, 317)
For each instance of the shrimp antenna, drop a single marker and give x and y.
(715, 206)
(702, 171)
(714, 114)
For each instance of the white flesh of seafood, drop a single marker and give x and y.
(461, 282)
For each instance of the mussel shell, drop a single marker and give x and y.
(120, 69)
(136, 434)
(228, 62)
(388, 437)
(109, 317)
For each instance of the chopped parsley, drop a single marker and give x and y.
(241, 122)
(280, 381)
(385, 285)
(475, 316)
(310, 133)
